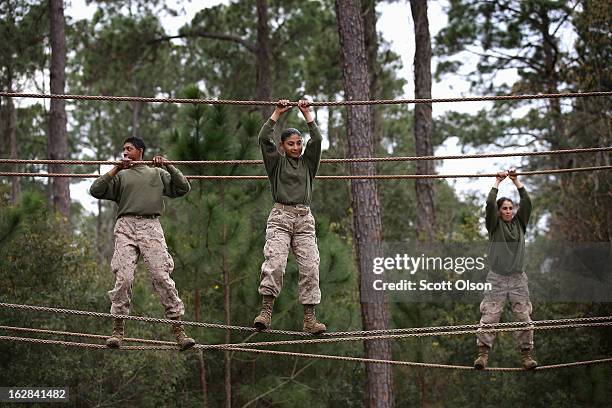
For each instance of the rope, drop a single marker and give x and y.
(433, 331)
(307, 355)
(86, 335)
(338, 177)
(145, 319)
(332, 161)
(421, 365)
(231, 346)
(313, 103)
(403, 336)
(567, 322)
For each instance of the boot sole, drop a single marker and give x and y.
(187, 346)
(479, 367)
(260, 326)
(530, 368)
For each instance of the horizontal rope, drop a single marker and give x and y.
(145, 319)
(335, 177)
(327, 161)
(306, 355)
(312, 103)
(577, 320)
(85, 335)
(406, 335)
(422, 365)
(227, 346)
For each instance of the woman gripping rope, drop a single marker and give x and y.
(290, 223)
(506, 269)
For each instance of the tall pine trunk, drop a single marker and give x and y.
(136, 113)
(11, 136)
(227, 356)
(57, 147)
(201, 361)
(262, 53)
(558, 139)
(368, 8)
(423, 135)
(423, 123)
(364, 199)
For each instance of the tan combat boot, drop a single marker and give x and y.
(528, 362)
(311, 325)
(483, 357)
(264, 319)
(114, 341)
(182, 340)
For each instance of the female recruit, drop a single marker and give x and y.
(290, 224)
(506, 273)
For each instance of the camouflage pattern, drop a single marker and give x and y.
(134, 236)
(514, 288)
(296, 230)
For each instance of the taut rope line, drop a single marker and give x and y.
(328, 161)
(313, 103)
(577, 320)
(334, 177)
(229, 346)
(310, 356)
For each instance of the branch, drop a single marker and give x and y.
(294, 374)
(507, 57)
(565, 18)
(291, 38)
(123, 385)
(505, 7)
(204, 34)
(509, 145)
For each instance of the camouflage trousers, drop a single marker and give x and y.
(135, 236)
(514, 288)
(287, 229)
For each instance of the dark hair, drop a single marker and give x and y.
(288, 132)
(501, 200)
(137, 142)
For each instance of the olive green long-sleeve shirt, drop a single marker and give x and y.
(291, 179)
(507, 239)
(139, 189)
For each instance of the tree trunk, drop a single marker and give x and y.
(4, 139)
(368, 8)
(6, 82)
(228, 315)
(136, 111)
(262, 53)
(227, 354)
(100, 246)
(423, 124)
(203, 384)
(558, 140)
(58, 140)
(11, 135)
(423, 134)
(557, 136)
(364, 200)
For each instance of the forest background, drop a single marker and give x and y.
(55, 252)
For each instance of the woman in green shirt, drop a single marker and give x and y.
(290, 224)
(138, 191)
(506, 269)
